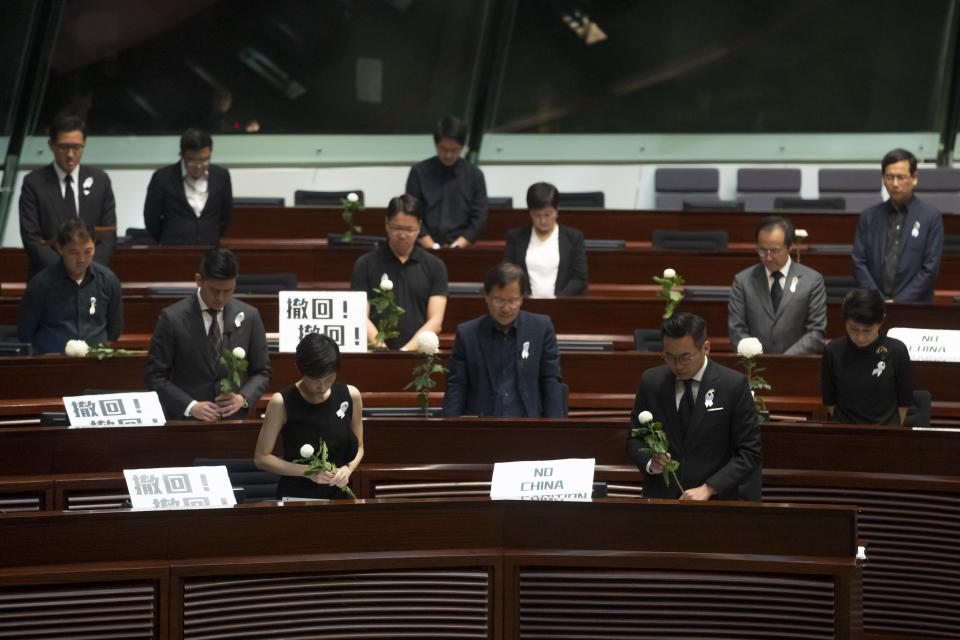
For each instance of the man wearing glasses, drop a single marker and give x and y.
(899, 242)
(190, 202)
(708, 417)
(780, 302)
(505, 363)
(419, 278)
(63, 191)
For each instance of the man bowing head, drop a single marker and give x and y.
(183, 365)
(708, 417)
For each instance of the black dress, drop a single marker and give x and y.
(866, 385)
(308, 423)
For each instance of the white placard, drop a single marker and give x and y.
(570, 479)
(179, 488)
(929, 345)
(342, 315)
(137, 409)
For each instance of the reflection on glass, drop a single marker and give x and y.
(752, 66)
(248, 66)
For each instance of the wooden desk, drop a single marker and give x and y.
(317, 222)
(312, 260)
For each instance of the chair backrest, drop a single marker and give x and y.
(705, 240)
(323, 198)
(336, 239)
(837, 287)
(136, 235)
(15, 348)
(675, 188)
(257, 485)
(647, 340)
(860, 188)
(707, 203)
(758, 187)
(790, 203)
(951, 243)
(580, 200)
(597, 244)
(918, 413)
(266, 282)
(244, 201)
(9, 332)
(499, 202)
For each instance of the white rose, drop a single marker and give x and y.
(428, 343)
(749, 348)
(645, 417)
(801, 234)
(76, 348)
(669, 273)
(306, 451)
(386, 284)
(239, 353)
(352, 197)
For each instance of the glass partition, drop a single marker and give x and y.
(235, 66)
(754, 66)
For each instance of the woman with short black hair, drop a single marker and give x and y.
(866, 377)
(315, 408)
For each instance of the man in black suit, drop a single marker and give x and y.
(708, 417)
(63, 190)
(189, 202)
(183, 364)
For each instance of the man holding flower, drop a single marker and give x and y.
(185, 365)
(415, 279)
(707, 415)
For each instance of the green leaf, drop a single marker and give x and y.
(676, 296)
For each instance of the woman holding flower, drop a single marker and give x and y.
(313, 410)
(866, 376)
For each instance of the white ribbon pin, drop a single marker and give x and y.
(342, 411)
(86, 185)
(916, 229)
(237, 321)
(708, 400)
(880, 367)
(93, 305)
(793, 285)
(525, 353)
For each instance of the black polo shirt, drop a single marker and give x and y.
(414, 281)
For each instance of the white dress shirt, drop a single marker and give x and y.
(197, 190)
(543, 261)
(207, 320)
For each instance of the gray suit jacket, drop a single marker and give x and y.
(181, 366)
(799, 323)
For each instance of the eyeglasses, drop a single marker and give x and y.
(896, 177)
(506, 302)
(769, 252)
(683, 358)
(66, 148)
(392, 228)
(197, 163)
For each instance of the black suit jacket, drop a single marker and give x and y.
(181, 366)
(43, 210)
(471, 382)
(722, 445)
(170, 218)
(572, 278)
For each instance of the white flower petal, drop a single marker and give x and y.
(239, 353)
(306, 451)
(644, 417)
(669, 273)
(352, 197)
(428, 343)
(749, 348)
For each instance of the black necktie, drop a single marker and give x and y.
(213, 335)
(776, 291)
(68, 195)
(685, 410)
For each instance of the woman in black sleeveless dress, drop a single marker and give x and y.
(315, 408)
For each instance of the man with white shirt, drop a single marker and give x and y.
(780, 302)
(706, 412)
(64, 190)
(183, 365)
(190, 202)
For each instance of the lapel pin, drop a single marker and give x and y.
(708, 401)
(93, 305)
(526, 350)
(237, 321)
(916, 229)
(342, 411)
(793, 285)
(879, 370)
